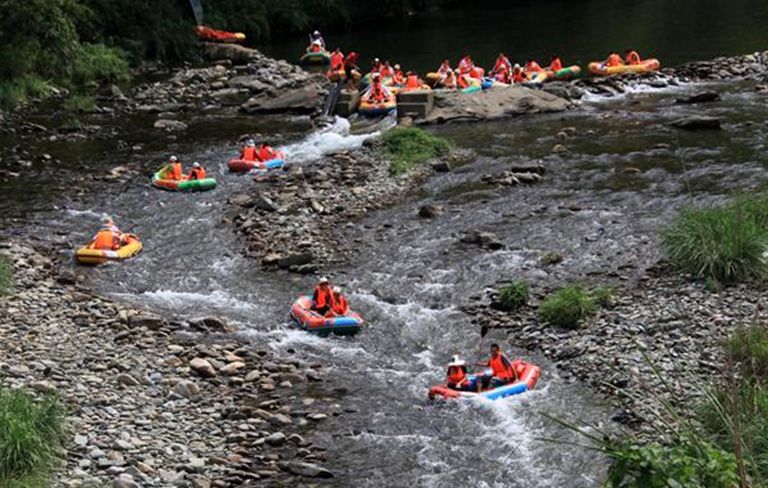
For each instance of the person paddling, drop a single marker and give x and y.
(502, 371)
(172, 170)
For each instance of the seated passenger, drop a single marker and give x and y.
(449, 81)
(315, 47)
(532, 67)
(316, 37)
(376, 93)
(386, 70)
(265, 152)
(249, 152)
(502, 74)
(339, 305)
(465, 65)
(518, 75)
(337, 60)
(502, 371)
(172, 170)
(109, 238)
(555, 64)
(397, 76)
(444, 68)
(197, 172)
(632, 57)
(412, 82)
(613, 60)
(322, 297)
(463, 81)
(457, 378)
(502, 62)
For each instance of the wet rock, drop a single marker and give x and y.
(203, 367)
(701, 97)
(487, 240)
(170, 125)
(251, 83)
(235, 53)
(307, 470)
(430, 211)
(276, 439)
(210, 324)
(151, 322)
(243, 200)
(696, 123)
(127, 380)
(305, 99)
(297, 259)
(125, 482)
(186, 389)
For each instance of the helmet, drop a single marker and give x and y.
(376, 60)
(337, 289)
(375, 76)
(173, 159)
(457, 362)
(316, 33)
(517, 66)
(250, 142)
(397, 66)
(324, 279)
(195, 164)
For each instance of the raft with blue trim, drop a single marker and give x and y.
(527, 373)
(238, 165)
(311, 321)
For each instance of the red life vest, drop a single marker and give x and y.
(633, 58)
(337, 61)
(518, 76)
(412, 82)
(339, 305)
(197, 174)
(322, 297)
(556, 65)
(249, 153)
(462, 81)
(457, 377)
(533, 67)
(266, 153)
(106, 240)
(502, 367)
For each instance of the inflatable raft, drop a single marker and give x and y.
(536, 78)
(244, 165)
(132, 247)
(647, 66)
(320, 57)
(567, 73)
(311, 321)
(527, 373)
(184, 184)
(215, 35)
(378, 108)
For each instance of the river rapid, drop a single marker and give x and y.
(625, 172)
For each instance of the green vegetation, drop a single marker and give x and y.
(513, 295)
(407, 147)
(31, 432)
(603, 295)
(550, 257)
(725, 244)
(6, 274)
(79, 103)
(567, 306)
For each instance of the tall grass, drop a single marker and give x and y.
(567, 306)
(6, 274)
(31, 432)
(407, 147)
(721, 243)
(513, 295)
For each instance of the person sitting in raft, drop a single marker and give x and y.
(502, 371)
(322, 298)
(613, 60)
(444, 68)
(265, 152)
(476, 72)
(518, 75)
(172, 170)
(502, 74)
(317, 39)
(632, 57)
(398, 78)
(377, 93)
(449, 81)
(376, 65)
(197, 172)
(337, 60)
(502, 62)
(386, 70)
(412, 82)
(532, 67)
(339, 305)
(109, 238)
(457, 378)
(465, 65)
(249, 152)
(555, 64)
(315, 47)
(350, 65)
(463, 81)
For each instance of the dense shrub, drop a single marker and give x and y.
(406, 147)
(6, 274)
(30, 437)
(567, 306)
(513, 295)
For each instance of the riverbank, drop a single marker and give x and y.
(158, 401)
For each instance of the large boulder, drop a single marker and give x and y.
(305, 99)
(697, 122)
(233, 52)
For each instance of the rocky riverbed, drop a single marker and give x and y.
(155, 401)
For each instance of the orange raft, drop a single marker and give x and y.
(214, 35)
(646, 66)
(311, 321)
(527, 373)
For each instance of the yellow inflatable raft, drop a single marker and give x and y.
(647, 66)
(132, 247)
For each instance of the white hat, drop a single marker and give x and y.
(397, 66)
(173, 159)
(316, 33)
(376, 60)
(324, 279)
(316, 42)
(195, 164)
(250, 142)
(457, 362)
(337, 289)
(517, 65)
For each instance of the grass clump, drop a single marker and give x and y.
(567, 306)
(31, 432)
(725, 244)
(14, 92)
(407, 147)
(513, 295)
(603, 295)
(79, 103)
(6, 275)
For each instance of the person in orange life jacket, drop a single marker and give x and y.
(197, 172)
(315, 47)
(265, 153)
(316, 37)
(397, 76)
(518, 76)
(456, 378)
(322, 297)
(632, 57)
(339, 305)
(377, 92)
(172, 170)
(109, 238)
(502, 74)
(532, 67)
(412, 82)
(450, 80)
(475, 72)
(465, 64)
(337, 60)
(444, 68)
(386, 70)
(555, 64)
(501, 62)
(462, 81)
(613, 60)
(249, 152)
(502, 371)
(376, 65)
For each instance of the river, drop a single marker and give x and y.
(625, 174)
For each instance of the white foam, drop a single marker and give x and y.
(182, 300)
(327, 140)
(86, 213)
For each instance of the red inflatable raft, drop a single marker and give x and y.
(215, 35)
(527, 373)
(311, 321)
(238, 165)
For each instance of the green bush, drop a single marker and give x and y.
(603, 295)
(513, 295)
(406, 147)
(22, 89)
(567, 306)
(6, 274)
(747, 348)
(30, 436)
(722, 243)
(96, 63)
(79, 103)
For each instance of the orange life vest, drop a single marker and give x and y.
(556, 65)
(412, 82)
(462, 81)
(337, 61)
(197, 174)
(339, 305)
(377, 92)
(517, 75)
(502, 367)
(613, 60)
(249, 153)
(266, 153)
(106, 240)
(314, 48)
(533, 67)
(457, 377)
(501, 62)
(633, 58)
(322, 297)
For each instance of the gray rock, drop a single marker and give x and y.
(429, 211)
(697, 123)
(187, 389)
(127, 380)
(203, 367)
(276, 439)
(701, 97)
(307, 470)
(151, 322)
(216, 324)
(170, 125)
(296, 259)
(487, 240)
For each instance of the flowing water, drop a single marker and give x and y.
(600, 205)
